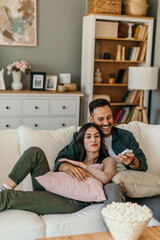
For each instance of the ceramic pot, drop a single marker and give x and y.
(111, 80)
(136, 7)
(17, 84)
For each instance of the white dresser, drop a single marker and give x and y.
(39, 110)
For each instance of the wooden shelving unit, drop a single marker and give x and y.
(108, 44)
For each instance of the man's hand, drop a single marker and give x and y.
(76, 172)
(125, 158)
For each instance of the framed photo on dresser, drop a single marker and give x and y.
(38, 80)
(51, 82)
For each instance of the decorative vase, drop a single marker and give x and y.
(119, 52)
(17, 84)
(136, 7)
(98, 78)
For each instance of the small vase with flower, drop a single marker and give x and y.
(17, 68)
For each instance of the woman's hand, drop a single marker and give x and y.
(74, 171)
(75, 163)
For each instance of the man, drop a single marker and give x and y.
(117, 140)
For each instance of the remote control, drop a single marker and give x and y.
(127, 151)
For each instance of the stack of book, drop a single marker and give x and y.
(126, 115)
(141, 32)
(137, 53)
(131, 96)
(134, 53)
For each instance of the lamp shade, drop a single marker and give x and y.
(143, 78)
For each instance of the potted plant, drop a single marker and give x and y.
(112, 78)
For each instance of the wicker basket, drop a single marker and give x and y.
(105, 6)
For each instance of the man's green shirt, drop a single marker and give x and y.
(121, 139)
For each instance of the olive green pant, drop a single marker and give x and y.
(34, 161)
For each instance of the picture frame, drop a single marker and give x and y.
(51, 82)
(2, 83)
(38, 80)
(19, 23)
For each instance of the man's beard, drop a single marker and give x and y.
(106, 132)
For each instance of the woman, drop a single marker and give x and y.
(34, 161)
(92, 150)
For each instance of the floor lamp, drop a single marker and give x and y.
(142, 78)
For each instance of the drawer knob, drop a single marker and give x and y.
(64, 107)
(63, 124)
(36, 107)
(36, 125)
(7, 125)
(7, 107)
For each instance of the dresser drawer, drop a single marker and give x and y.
(10, 107)
(49, 123)
(63, 107)
(9, 123)
(35, 107)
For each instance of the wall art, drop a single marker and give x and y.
(18, 22)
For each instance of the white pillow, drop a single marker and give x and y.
(138, 184)
(50, 141)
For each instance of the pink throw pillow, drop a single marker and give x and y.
(63, 184)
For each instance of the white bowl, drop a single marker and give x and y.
(124, 230)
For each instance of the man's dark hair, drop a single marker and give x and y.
(100, 102)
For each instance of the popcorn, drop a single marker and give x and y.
(126, 221)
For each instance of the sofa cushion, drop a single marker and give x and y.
(132, 127)
(148, 137)
(51, 141)
(9, 152)
(138, 184)
(65, 185)
(150, 144)
(21, 225)
(87, 220)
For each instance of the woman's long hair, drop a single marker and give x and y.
(103, 152)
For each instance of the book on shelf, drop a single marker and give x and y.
(142, 32)
(137, 96)
(146, 33)
(134, 92)
(130, 53)
(116, 115)
(121, 116)
(131, 96)
(125, 95)
(136, 31)
(129, 114)
(124, 118)
(142, 53)
(137, 53)
(135, 115)
(125, 76)
(133, 54)
(120, 76)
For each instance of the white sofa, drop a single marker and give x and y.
(17, 224)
